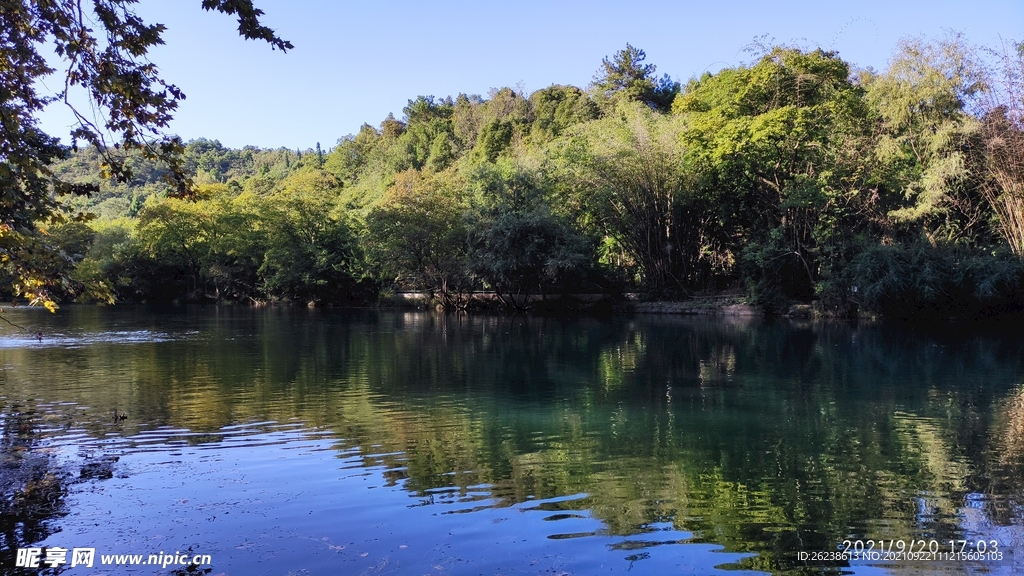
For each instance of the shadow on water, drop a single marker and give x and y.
(32, 487)
(648, 441)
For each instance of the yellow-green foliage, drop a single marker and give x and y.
(774, 175)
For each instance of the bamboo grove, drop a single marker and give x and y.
(793, 178)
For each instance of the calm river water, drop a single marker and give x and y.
(295, 441)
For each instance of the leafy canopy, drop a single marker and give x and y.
(103, 46)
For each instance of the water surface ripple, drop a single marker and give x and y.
(302, 441)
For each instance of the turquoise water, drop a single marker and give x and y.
(295, 441)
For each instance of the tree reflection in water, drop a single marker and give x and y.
(763, 437)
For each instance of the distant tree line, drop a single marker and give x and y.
(792, 178)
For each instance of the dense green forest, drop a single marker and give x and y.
(792, 178)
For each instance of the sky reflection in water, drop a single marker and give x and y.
(409, 443)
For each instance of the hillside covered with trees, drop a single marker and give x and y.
(792, 178)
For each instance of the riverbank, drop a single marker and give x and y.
(730, 303)
(722, 304)
(32, 487)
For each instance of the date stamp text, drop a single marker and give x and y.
(919, 550)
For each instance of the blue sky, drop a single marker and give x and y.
(355, 62)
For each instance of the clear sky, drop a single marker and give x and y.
(354, 62)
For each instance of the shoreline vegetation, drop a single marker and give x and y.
(795, 184)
